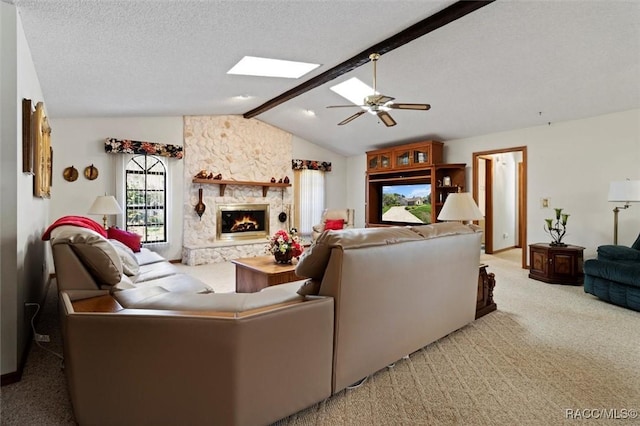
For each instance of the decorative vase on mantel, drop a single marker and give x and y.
(558, 229)
(283, 257)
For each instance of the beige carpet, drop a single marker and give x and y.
(549, 348)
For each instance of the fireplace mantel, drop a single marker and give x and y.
(223, 184)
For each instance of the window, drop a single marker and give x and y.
(146, 197)
(309, 199)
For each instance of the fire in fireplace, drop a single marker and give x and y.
(242, 221)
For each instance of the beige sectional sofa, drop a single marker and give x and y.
(375, 295)
(85, 260)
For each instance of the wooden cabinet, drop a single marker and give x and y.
(379, 161)
(486, 283)
(414, 163)
(405, 157)
(554, 264)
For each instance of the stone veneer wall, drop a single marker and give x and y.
(240, 149)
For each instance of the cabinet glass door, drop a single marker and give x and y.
(421, 156)
(385, 161)
(403, 158)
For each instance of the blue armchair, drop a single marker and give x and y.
(615, 275)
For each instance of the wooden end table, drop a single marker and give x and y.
(255, 273)
(556, 264)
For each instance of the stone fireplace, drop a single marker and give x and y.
(242, 221)
(243, 150)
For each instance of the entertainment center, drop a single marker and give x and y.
(413, 179)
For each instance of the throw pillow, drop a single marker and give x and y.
(309, 288)
(130, 239)
(334, 224)
(129, 263)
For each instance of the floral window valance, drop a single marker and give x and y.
(126, 146)
(324, 166)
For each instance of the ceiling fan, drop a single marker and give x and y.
(379, 104)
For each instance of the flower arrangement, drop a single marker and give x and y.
(558, 229)
(284, 246)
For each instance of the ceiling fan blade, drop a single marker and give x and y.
(419, 107)
(386, 118)
(353, 117)
(346, 106)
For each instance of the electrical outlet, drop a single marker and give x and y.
(41, 338)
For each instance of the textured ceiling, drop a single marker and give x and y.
(493, 70)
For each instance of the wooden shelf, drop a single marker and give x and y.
(223, 184)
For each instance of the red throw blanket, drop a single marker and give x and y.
(83, 222)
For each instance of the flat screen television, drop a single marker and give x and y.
(406, 204)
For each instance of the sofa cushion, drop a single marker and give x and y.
(173, 283)
(155, 297)
(146, 257)
(129, 262)
(616, 272)
(131, 239)
(442, 229)
(97, 254)
(154, 271)
(314, 261)
(611, 252)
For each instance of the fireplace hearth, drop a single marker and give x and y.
(242, 221)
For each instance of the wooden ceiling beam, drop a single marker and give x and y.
(427, 25)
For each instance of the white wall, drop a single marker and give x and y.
(572, 163)
(24, 270)
(356, 187)
(79, 142)
(505, 201)
(336, 197)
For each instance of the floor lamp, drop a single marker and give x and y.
(625, 191)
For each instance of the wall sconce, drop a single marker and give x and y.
(625, 191)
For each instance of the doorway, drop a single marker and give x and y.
(499, 188)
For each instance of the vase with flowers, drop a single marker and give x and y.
(558, 229)
(284, 246)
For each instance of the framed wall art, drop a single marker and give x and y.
(27, 141)
(41, 134)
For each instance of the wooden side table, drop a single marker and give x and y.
(556, 264)
(486, 283)
(255, 273)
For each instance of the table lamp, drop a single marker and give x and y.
(460, 206)
(625, 191)
(105, 205)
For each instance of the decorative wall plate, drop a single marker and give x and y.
(70, 174)
(90, 172)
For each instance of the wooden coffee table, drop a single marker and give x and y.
(255, 273)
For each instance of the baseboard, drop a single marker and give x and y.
(175, 261)
(504, 249)
(16, 376)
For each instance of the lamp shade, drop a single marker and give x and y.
(105, 204)
(625, 191)
(460, 206)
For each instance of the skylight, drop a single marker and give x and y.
(353, 90)
(265, 67)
